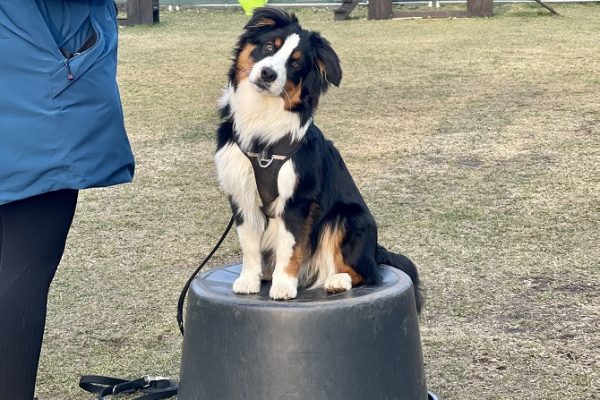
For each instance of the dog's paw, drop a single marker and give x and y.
(284, 289)
(338, 283)
(246, 285)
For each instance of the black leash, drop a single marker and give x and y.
(153, 388)
(189, 282)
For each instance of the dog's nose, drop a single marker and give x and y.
(268, 74)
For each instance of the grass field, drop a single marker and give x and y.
(475, 142)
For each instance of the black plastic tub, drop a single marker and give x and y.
(357, 345)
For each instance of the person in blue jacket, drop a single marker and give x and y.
(61, 130)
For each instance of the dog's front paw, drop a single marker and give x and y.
(284, 289)
(338, 283)
(246, 285)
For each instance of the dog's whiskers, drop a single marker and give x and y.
(287, 97)
(243, 73)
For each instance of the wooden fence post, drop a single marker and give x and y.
(480, 8)
(142, 12)
(380, 9)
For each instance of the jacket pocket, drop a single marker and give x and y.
(74, 67)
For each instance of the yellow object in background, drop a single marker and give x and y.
(250, 5)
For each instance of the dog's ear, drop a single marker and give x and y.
(327, 61)
(269, 17)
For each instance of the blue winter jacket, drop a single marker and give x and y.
(61, 121)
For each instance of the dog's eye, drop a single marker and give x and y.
(268, 47)
(296, 64)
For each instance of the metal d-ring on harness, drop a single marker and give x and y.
(266, 162)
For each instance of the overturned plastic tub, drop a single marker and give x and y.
(358, 345)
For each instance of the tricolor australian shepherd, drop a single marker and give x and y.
(300, 218)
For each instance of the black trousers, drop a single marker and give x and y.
(33, 232)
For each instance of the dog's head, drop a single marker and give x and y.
(280, 59)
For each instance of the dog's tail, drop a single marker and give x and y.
(404, 264)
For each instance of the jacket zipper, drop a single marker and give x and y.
(69, 73)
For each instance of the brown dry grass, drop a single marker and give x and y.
(475, 143)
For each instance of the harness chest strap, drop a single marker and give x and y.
(267, 161)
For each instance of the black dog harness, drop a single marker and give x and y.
(266, 162)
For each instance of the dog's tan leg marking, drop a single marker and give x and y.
(287, 276)
(345, 276)
(301, 249)
(344, 268)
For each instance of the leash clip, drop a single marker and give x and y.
(157, 382)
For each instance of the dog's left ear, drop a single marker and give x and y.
(327, 61)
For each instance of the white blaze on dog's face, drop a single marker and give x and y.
(269, 75)
(286, 66)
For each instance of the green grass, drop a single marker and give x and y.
(475, 143)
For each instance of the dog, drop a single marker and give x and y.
(301, 220)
